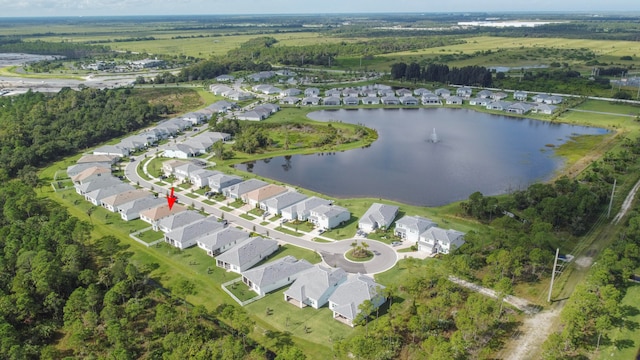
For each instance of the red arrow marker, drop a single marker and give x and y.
(171, 199)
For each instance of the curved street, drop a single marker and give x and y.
(332, 253)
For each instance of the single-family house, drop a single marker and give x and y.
(221, 106)
(237, 191)
(410, 227)
(286, 72)
(95, 197)
(179, 151)
(257, 196)
(544, 109)
(312, 92)
(464, 92)
(346, 299)
(244, 255)
(111, 150)
(370, 100)
(484, 94)
(225, 78)
(403, 92)
(386, 92)
(222, 240)
(90, 158)
(154, 215)
(499, 96)
(421, 92)
(520, 108)
(351, 101)
(98, 182)
(289, 100)
(302, 209)
(480, 101)
(252, 115)
(453, 100)
(333, 92)
(177, 122)
(183, 172)
(498, 105)
(275, 274)
(349, 92)
(195, 118)
(290, 92)
(267, 89)
(314, 286)
(553, 100)
(131, 210)
(200, 178)
(220, 181)
(520, 95)
(275, 204)
(431, 99)
(408, 100)
(112, 202)
(390, 100)
(328, 216)
(89, 173)
(311, 100)
(438, 240)
(261, 76)
(378, 216)
(188, 235)
(178, 220)
(169, 166)
(442, 92)
(331, 101)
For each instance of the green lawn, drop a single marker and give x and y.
(247, 217)
(290, 250)
(625, 341)
(192, 195)
(287, 231)
(321, 328)
(241, 291)
(223, 208)
(150, 236)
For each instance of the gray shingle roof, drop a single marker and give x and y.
(306, 205)
(195, 230)
(417, 223)
(109, 191)
(349, 295)
(138, 205)
(180, 219)
(380, 214)
(98, 182)
(315, 282)
(245, 186)
(284, 200)
(222, 238)
(246, 251)
(277, 270)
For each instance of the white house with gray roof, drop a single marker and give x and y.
(314, 286)
(437, 240)
(111, 150)
(96, 196)
(200, 178)
(378, 216)
(179, 151)
(453, 100)
(274, 275)
(98, 182)
(408, 100)
(302, 209)
(183, 172)
(346, 299)
(442, 92)
(113, 202)
(431, 99)
(179, 220)
(370, 100)
(188, 235)
(410, 227)
(275, 204)
(131, 210)
(220, 181)
(246, 254)
(312, 92)
(237, 190)
(464, 92)
(328, 216)
(222, 240)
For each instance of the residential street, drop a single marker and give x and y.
(332, 253)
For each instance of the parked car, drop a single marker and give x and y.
(396, 243)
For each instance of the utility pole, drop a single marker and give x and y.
(613, 190)
(553, 274)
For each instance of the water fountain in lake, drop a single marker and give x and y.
(434, 137)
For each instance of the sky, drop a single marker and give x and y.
(28, 8)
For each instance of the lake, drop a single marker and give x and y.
(475, 151)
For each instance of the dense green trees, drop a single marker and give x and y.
(467, 75)
(36, 129)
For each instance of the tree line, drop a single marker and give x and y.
(36, 129)
(70, 50)
(467, 75)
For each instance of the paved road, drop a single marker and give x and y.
(332, 253)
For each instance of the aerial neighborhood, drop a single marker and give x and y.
(239, 250)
